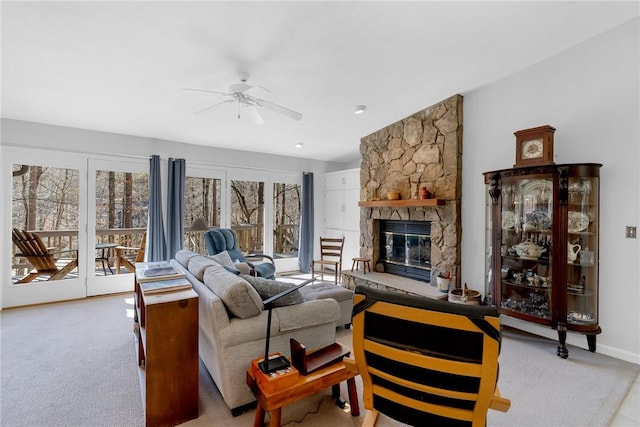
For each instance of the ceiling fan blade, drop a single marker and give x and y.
(208, 91)
(214, 106)
(278, 109)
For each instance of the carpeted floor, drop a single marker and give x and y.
(73, 364)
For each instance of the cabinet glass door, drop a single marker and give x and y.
(582, 251)
(526, 221)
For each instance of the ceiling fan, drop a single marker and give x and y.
(247, 104)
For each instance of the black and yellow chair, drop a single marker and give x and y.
(425, 362)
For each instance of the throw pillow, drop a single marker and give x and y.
(243, 267)
(268, 288)
(237, 295)
(235, 255)
(223, 259)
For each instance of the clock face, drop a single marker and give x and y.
(532, 149)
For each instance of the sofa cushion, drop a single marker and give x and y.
(238, 296)
(268, 288)
(198, 264)
(321, 290)
(184, 255)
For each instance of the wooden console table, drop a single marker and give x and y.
(166, 339)
(392, 283)
(331, 376)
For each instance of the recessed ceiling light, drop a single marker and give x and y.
(298, 145)
(359, 109)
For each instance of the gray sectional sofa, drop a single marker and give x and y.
(232, 324)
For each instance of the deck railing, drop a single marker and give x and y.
(249, 238)
(61, 240)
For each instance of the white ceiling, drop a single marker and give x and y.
(119, 66)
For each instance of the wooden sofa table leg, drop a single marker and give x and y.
(353, 397)
(258, 421)
(276, 416)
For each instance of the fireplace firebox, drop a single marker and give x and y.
(405, 248)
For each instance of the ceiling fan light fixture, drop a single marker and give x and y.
(250, 113)
(359, 109)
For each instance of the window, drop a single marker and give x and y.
(247, 214)
(286, 219)
(202, 201)
(122, 204)
(45, 200)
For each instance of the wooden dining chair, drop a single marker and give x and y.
(45, 262)
(127, 256)
(425, 362)
(330, 255)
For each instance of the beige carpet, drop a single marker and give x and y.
(73, 364)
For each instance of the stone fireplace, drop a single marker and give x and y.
(422, 150)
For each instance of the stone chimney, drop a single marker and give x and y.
(422, 150)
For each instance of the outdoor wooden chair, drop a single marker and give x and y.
(45, 262)
(127, 256)
(425, 362)
(330, 255)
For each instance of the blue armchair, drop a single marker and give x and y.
(225, 239)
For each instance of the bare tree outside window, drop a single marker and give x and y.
(122, 200)
(202, 199)
(286, 219)
(45, 198)
(247, 214)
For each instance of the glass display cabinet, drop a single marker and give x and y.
(542, 247)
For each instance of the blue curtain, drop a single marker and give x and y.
(175, 206)
(305, 252)
(156, 243)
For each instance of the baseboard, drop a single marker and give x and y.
(574, 339)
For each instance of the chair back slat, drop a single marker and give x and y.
(331, 248)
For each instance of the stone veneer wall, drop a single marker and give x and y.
(424, 149)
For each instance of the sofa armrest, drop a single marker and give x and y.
(283, 320)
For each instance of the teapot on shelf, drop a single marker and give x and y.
(572, 251)
(528, 249)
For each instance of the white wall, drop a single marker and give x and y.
(590, 94)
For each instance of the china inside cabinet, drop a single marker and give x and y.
(542, 246)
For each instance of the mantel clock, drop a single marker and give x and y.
(534, 147)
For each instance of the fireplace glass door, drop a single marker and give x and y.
(406, 248)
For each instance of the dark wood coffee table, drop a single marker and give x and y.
(331, 376)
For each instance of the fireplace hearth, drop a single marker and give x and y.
(405, 248)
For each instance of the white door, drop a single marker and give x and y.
(44, 198)
(117, 219)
